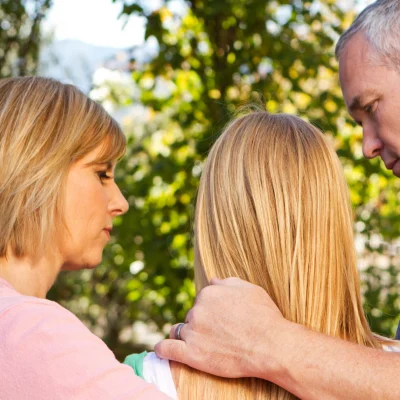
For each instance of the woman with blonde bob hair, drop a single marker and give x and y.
(273, 209)
(58, 197)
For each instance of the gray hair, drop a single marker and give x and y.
(380, 23)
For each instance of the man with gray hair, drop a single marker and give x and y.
(235, 330)
(369, 70)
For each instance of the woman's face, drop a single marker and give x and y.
(92, 201)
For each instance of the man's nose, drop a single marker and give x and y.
(372, 145)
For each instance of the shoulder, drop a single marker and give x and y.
(56, 356)
(14, 306)
(20, 304)
(40, 321)
(23, 313)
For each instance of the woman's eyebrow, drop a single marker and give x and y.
(107, 164)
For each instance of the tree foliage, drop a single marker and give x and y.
(213, 57)
(20, 36)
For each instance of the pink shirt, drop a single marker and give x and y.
(47, 353)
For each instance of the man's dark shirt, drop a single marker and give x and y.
(398, 332)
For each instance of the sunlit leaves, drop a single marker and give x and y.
(21, 36)
(221, 55)
(213, 59)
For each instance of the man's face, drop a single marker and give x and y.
(372, 95)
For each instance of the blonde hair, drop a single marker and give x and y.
(45, 126)
(273, 208)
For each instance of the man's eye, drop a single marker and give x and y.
(370, 108)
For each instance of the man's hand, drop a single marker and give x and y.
(229, 332)
(235, 330)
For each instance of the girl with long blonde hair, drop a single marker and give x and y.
(273, 208)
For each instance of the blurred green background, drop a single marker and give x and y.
(203, 60)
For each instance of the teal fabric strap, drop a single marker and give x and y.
(136, 362)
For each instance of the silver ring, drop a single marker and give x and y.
(178, 331)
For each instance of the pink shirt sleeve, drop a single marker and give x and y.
(47, 353)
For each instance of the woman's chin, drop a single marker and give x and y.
(76, 266)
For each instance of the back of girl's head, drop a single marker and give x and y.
(273, 209)
(45, 126)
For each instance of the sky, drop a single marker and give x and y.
(96, 22)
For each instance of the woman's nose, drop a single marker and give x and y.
(118, 204)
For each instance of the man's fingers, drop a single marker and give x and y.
(188, 316)
(173, 333)
(215, 281)
(227, 281)
(170, 349)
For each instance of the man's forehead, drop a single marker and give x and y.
(356, 49)
(356, 72)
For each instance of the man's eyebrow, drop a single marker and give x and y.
(358, 101)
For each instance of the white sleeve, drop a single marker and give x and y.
(157, 371)
(394, 349)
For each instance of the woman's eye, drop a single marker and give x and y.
(103, 176)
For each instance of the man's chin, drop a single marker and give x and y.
(396, 169)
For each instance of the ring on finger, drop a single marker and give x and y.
(178, 331)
